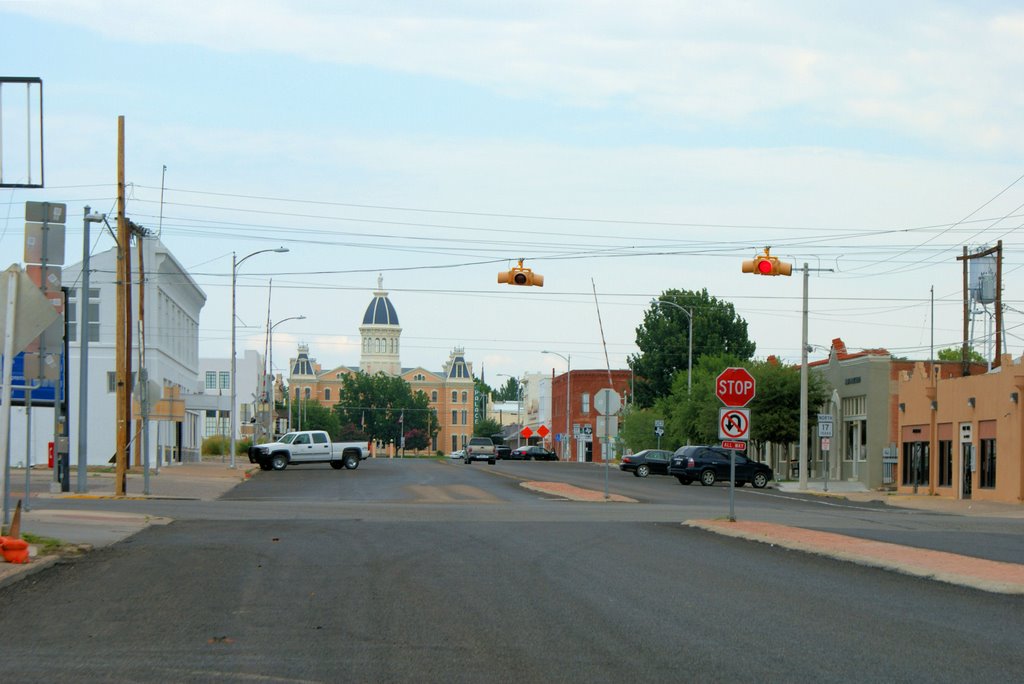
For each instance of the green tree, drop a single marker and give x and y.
(508, 392)
(775, 409)
(380, 407)
(486, 428)
(637, 430)
(663, 339)
(956, 354)
(315, 417)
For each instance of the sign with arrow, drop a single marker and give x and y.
(734, 424)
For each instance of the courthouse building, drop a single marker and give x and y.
(450, 389)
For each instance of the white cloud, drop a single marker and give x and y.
(937, 73)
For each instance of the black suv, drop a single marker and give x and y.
(709, 464)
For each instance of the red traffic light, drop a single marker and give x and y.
(766, 264)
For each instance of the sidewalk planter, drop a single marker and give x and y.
(15, 550)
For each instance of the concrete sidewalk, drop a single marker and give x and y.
(855, 491)
(92, 527)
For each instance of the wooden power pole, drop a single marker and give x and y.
(122, 324)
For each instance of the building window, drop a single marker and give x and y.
(306, 393)
(296, 394)
(71, 314)
(433, 396)
(465, 397)
(327, 393)
(988, 464)
(915, 463)
(211, 380)
(586, 402)
(455, 442)
(225, 380)
(946, 463)
(464, 412)
(455, 396)
(455, 417)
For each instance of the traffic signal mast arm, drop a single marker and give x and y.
(766, 264)
(520, 275)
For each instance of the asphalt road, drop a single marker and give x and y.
(426, 571)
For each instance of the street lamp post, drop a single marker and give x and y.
(689, 348)
(270, 364)
(235, 263)
(568, 380)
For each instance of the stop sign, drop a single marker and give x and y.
(735, 386)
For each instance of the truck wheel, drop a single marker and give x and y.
(351, 462)
(490, 461)
(336, 465)
(264, 466)
(278, 461)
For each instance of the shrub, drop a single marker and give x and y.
(215, 445)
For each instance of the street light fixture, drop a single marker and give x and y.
(568, 379)
(270, 364)
(235, 263)
(689, 351)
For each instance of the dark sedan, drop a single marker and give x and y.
(645, 462)
(533, 453)
(709, 464)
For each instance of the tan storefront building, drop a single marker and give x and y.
(962, 437)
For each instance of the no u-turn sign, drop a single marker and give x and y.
(734, 424)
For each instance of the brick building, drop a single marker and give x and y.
(584, 444)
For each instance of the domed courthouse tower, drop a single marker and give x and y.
(380, 332)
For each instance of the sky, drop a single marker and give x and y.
(621, 148)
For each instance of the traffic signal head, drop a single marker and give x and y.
(766, 264)
(521, 276)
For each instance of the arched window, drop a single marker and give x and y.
(433, 396)
(307, 392)
(455, 396)
(464, 397)
(327, 394)
(296, 394)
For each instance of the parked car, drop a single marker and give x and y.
(502, 451)
(645, 462)
(457, 454)
(708, 464)
(533, 453)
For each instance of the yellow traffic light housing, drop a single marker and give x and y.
(520, 275)
(766, 264)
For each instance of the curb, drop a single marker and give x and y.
(9, 576)
(966, 571)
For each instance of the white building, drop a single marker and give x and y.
(172, 303)
(212, 398)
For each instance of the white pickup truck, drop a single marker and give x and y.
(480, 449)
(308, 446)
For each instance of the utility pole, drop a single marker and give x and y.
(122, 391)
